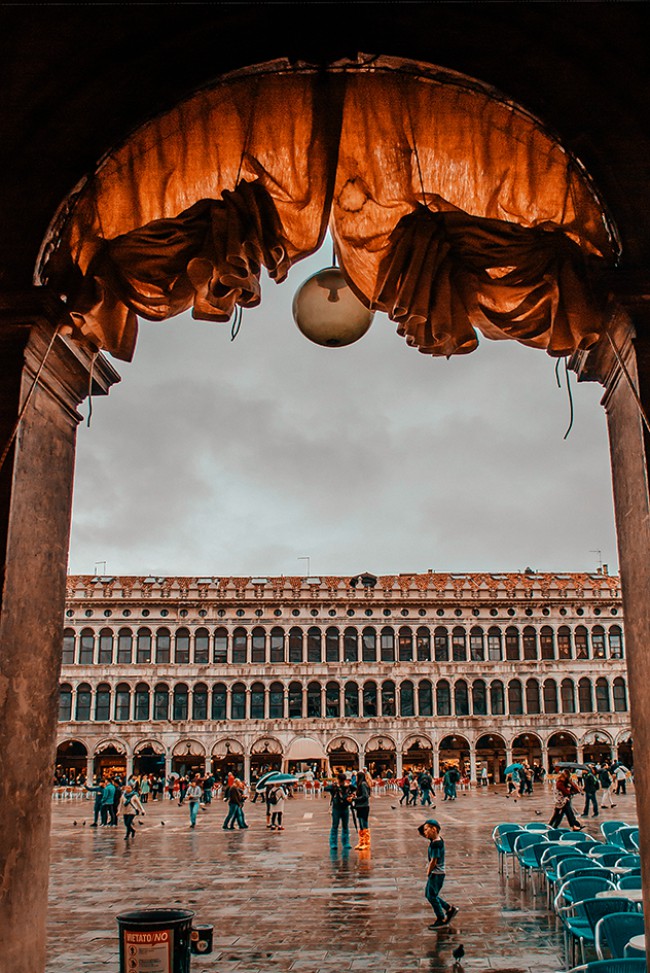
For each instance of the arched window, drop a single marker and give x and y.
(459, 644)
(65, 703)
(515, 698)
(83, 703)
(568, 694)
(423, 644)
(441, 644)
(314, 645)
(495, 647)
(314, 704)
(220, 649)
(350, 645)
(103, 703)
(461, 698)
(547, 642)
(277, 644)
(219, 701)
(351, 701)
(405, 644)
(332, 701)
(295, 645)
(388, 698)
(615, 642)
(238, 702)
(142, 702)
(123, 702)
(513, 653)
(258, 646)
(479, 698)
(443, 698)
(332, 645)
(406, 699)
(598, 642)
(369, 698)
(295, 701)
(476, 644)
(143, 646)
(530, 643)
(124, 646)
(550, 696)
(182, 647)
(582, 642)
(239, 647)
(201, 647)
(105, 656)
(602, 695)
(163, 646)
(180, 706)
(276, 701)
(564, 642)
(161, 702)
(425, 698)
(87, 647)
(620, 695)
(532, 696)
(497, 698)
(369, 645)
(257, 701)
(387, 650)
(585, 701)
(67, 658)
(200, 701)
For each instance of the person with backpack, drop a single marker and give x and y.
(341, 795)
(605, 778)
(129, 806)
(590, 786)
(361, 804)
(276, 800)
(426, 784)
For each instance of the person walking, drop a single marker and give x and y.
(276, 801)
(361, 805)
(341, 796)
(129, 806)
(426, 784)
(444, 912)
(116, 802)
(405, 784)
(564, 791)
(194, 795)
(590, 786)
(605, 778)
(98, 791)
(414, 790)
(620, 775)
(107, 803)
(145, 787)
(235, 798)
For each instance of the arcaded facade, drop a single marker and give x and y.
(411, 670)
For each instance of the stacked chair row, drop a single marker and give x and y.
(592, 887)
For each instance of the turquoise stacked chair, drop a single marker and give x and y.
(537, 826)
(609, 828)
(529, 862)
(568, 865)
(614, 931)
(612, 966)
(550, 861)
(623, 837)
(503, 837)
(634, 841)
(581, 918)
(604, 848)
(629, 861)
(630, 881)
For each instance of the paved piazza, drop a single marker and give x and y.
(279, 901)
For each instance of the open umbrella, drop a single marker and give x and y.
(509, 769)
(274, 778)
(563, 764)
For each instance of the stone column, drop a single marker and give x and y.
(624, 370)
(472, 762)
(35, 507)
(247, 767)
(398, 763)
(90, 769)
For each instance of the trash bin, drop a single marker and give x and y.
(201, 938)
(155, 941)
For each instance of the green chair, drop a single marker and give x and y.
(614, 931)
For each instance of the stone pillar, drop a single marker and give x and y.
(90, 769)
(629, 443)
(398, 764)
(129, 765)
(472, 763)
(35, 506)
(247, 767)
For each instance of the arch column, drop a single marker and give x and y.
(35, 506)
(472, 762)
(90, 769)
(247, 767)
(398, 763)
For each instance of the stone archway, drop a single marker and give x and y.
(110, 759)
(527, 747)
(625, 752)
(149, 758)
(491, 754)
(417, 754)
(597, 746)
(70, 762)
(188, 758)
(266, 755)
(454, 751)
(380, 756)
(561, 746)
(228, 758)
(343, 754)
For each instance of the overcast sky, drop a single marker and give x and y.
(238, 458)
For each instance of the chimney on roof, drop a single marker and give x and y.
(605, 570)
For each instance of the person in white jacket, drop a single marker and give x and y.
(277, 807)
(129, 806)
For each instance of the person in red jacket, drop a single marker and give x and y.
(564, 791)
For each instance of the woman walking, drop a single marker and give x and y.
(564, 791)
(128, 807)
(276, 802)
(361, 804)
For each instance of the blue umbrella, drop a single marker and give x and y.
(511, 767)
(275, 777)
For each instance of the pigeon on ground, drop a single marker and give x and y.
(458, 954)
(163, 823)
(538, 813)
(74, 823)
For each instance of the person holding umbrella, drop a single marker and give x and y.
(564, 791)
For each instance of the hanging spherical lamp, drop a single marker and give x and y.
(327, 312)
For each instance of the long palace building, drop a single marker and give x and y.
(164, 674)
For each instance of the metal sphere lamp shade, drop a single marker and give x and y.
(327, 312)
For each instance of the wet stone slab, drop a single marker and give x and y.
(283, 902)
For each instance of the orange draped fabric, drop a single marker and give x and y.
(451, 209)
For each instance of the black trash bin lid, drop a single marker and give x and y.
(155, 918)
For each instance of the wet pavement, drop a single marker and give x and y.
(280, 901)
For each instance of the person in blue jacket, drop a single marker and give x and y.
(436, 874)
(98, 791)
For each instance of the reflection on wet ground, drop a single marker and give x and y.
(281, 901)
